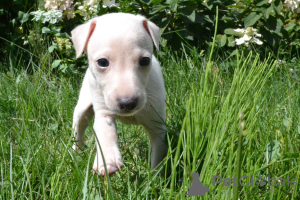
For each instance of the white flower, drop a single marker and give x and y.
(88, 8)
(93, 2)
(69, 13)
(25, 40)
(249, 35)
(245, 39)
(60, 4)
(110, 3)
(37, 15)
(294, 5)
(106, 3)
(51, 16)
(257, 41)
(240, 30)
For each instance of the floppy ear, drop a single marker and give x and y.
(81, 35)
(153, 31)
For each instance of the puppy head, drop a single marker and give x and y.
(119, 48)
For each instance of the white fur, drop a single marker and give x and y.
(121, 39)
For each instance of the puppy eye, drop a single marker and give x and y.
(144, 61)
(102, 62)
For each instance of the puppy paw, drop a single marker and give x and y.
(113, 162)
(78, 144)
(77, 147)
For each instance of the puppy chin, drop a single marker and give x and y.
(126, 113)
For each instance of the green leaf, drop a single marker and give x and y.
(46, 30)
(290, 156)
(268, 36)
(18, 3)
(261, 3)
(23, 17)
(279, 25)
(231, 42)
(52, 47)
(20, 15)
(55, 63)
(275, 24)
(251, 19)
(157, 8)
(18, 79)
(208, 19)
(164, 23)
(63, 68)
(298, 129)
(191, 18)
(155, 1)
(56, 29)
(223, 40)
(146, 1)
(62, 35)
(277, 6)
(286, 122)
(272, 151)
(53, 127)
(268, 11)
(230, 31)
(173, 4)
(290, 27)
(13, 22)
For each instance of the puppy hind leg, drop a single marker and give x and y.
(159, 147)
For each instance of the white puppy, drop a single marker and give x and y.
(123, 81)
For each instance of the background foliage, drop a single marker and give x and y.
(188, 23)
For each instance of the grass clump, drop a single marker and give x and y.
(230, 117)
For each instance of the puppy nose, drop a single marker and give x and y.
(127, 104)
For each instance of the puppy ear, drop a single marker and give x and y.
(153, 31)
(81, 35)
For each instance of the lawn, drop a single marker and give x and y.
(230, 118)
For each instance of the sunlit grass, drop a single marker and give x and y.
(208, 107)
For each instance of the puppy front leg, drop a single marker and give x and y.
(83, 113)
(106, 133)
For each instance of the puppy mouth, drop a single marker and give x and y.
(126, 113)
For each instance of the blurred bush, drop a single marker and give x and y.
(262, 25)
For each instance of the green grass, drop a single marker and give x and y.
(222, 115)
